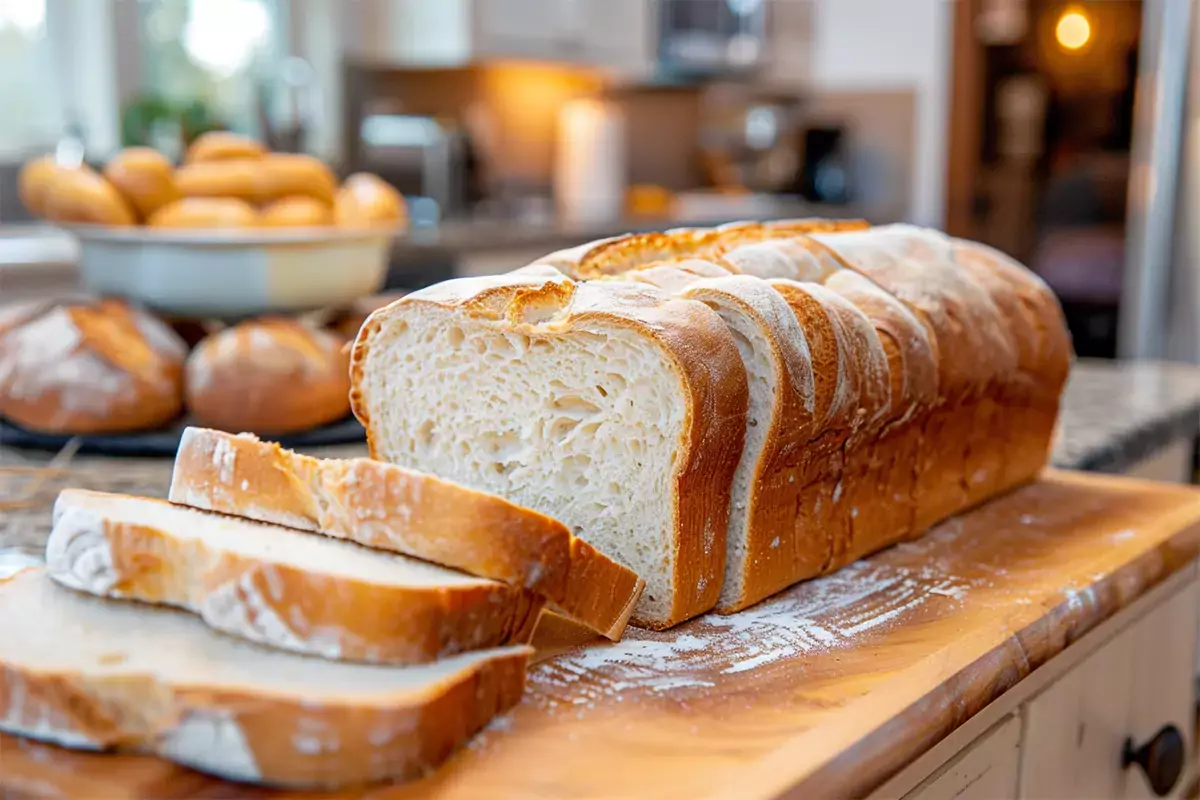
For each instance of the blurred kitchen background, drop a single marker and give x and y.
(515, 127)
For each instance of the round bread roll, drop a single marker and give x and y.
(205, 212)
(82, 368)
(34, 181)
(81, 195)
(144, 177)
(223, 146)
(296, 212)
(368, 201)
(269, 376)
(238, 179)
(285, 174)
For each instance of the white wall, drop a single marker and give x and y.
(873, 45)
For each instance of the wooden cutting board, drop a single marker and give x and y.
(828, 688)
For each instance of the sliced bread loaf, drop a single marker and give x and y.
(976, 351)
(280, 587)
(609, 406)
(388, 507)
(92, 674)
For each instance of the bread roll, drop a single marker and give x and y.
(283, 174)
(89, 368)
(223, 146)
(367, 201)
(81, 195)
(268, 376)
(205, 212)
(144, 177)
(238, 179)
(34, 181)
(296, 212)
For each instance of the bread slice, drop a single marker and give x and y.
(1044, 354)
(607, 405)
(391, 508)
(279, 587)
(92, 674)
(976, 352)
(898, 459)
(808, 494)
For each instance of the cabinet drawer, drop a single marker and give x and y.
(1139, 681)
(985, 770)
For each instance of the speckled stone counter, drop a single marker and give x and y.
(1113, 416)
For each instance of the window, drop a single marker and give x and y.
(32, 114)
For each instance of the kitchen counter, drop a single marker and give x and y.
(1113, 416)
(1007, 654)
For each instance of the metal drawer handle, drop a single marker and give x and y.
(1161, 759)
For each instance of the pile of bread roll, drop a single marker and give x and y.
(93, 367)
(226, 182)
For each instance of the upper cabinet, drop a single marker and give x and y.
(613, 35)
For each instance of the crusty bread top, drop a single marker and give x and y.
(976, 349)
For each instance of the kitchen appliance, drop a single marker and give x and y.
(711, 38)
(824, 171)
(422, 156)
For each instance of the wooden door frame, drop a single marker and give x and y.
(964, 121)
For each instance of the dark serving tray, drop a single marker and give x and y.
(165, 441)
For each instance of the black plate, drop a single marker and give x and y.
(165, 441)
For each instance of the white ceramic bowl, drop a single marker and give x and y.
(234, 273)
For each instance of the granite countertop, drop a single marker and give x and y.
(1113, 416)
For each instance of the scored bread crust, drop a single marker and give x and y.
(695, 341)
(89, 368)
(258, 733)
(389, 507)
(271, 602)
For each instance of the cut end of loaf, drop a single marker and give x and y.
(583, 425)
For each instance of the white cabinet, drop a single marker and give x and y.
(613, 35)
(1138, 682)
(986, 769)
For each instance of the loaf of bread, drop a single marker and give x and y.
(269, 376)
(144, 177)
(92, 674)
(81, 368)
(234, 178)
(904, 377)
(223, 146)
(390, 508)
(205, 213)
(34, 181)
(366, 201)
(308, 594)
(84, 196)
(296, 211)
(612, 407)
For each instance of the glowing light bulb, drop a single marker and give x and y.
(1073, 30)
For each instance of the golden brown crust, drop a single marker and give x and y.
(268, 376)
(89, 368)
(144, 177)
(237, 178)
(367, 201)
(223, 146)
(321, 613)
(708, 363)
(205, 213)
(288, 174)
(84, 196)
(296, 211)
(34, 182)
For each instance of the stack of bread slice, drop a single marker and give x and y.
(727, 411)
(269, 644)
